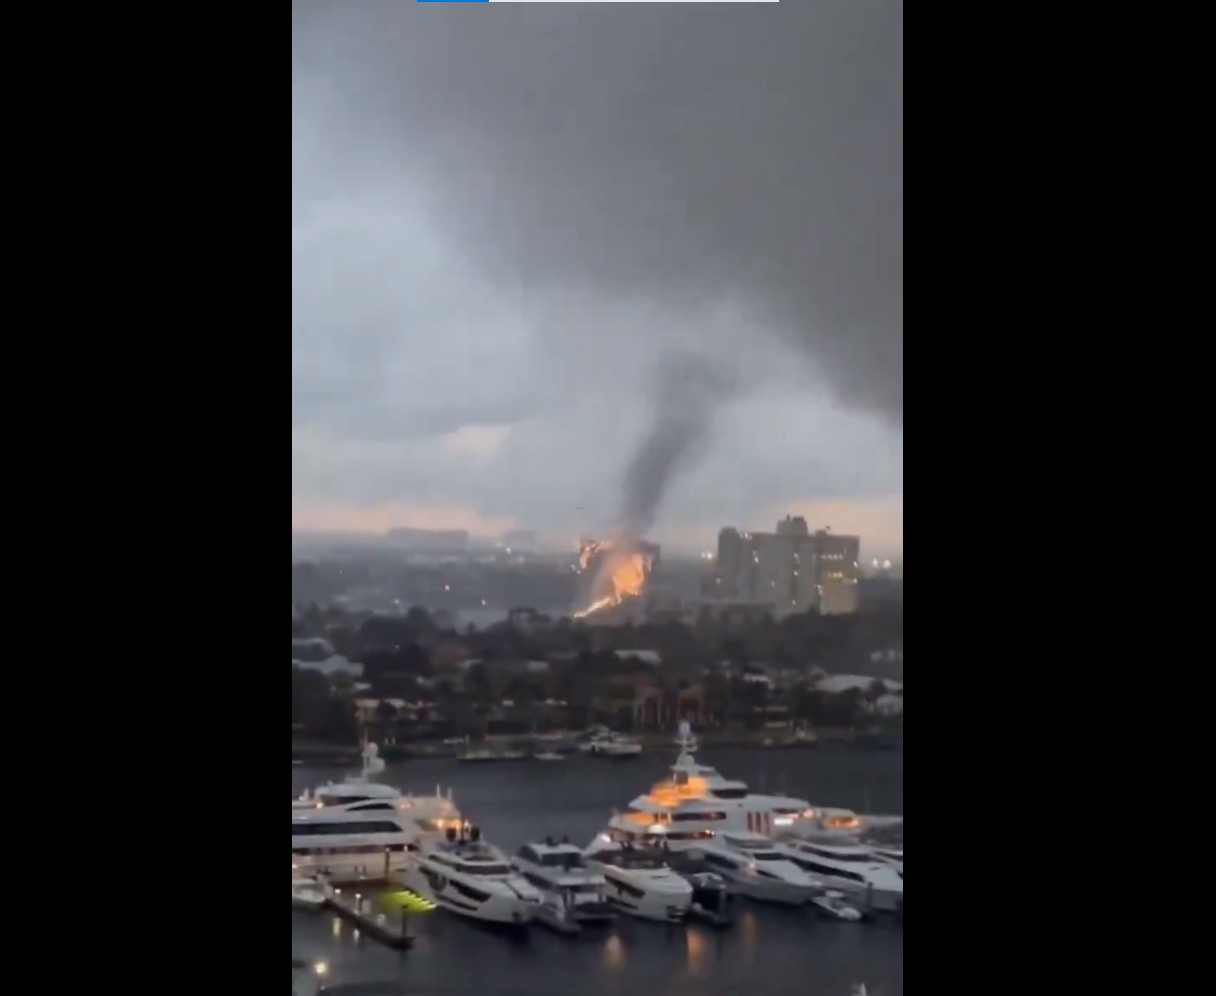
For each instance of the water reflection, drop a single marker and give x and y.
(697, 953)
(614, 954)
(749, 930)
(780, 948)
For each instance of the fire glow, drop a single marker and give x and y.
(618, 568)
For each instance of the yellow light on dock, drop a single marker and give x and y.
(408, 901)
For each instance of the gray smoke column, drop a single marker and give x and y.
(687, 392)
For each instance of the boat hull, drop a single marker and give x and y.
(644, 900)
(778, 893)
(497, 909)
(307, 901)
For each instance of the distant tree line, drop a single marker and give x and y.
(400, 657)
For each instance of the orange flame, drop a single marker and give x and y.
(626, 572)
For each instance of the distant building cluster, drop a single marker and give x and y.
(522, 540)
(791, 570)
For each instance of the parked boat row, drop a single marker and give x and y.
(772, 848)
(597, 742)
(682, 850)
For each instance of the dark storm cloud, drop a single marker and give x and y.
(503, 221)
(663, 152)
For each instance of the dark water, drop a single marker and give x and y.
(770, 950)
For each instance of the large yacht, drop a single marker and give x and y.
(369, 839)
(696, 801)
(850, 868)
(573, 894)
(755, 867)
(469, 877)
(356, 788)
(361, 827)
(640, 882)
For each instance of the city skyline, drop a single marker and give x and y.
(524, 297)
(882, 523)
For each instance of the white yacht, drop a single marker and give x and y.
(573, 894)
(640, 882)
(367, 830)
(696, 802)
(852, 869)
(368, 840)
(356, 788)
(836, 906)
(756, 867)
(307, 891)
(893, 856)
(362, 828)
(613, 746)
(473, 879)
(342, 794)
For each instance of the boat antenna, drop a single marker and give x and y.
(686, 740)
(372, 764)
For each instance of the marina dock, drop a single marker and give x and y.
(382, 916)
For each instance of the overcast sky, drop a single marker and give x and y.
(509, 226)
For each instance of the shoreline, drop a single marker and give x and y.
(766, 740)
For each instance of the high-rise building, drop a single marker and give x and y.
(731, 548)
(792, 569)
(792, 527)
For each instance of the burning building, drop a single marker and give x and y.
(615, 572)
